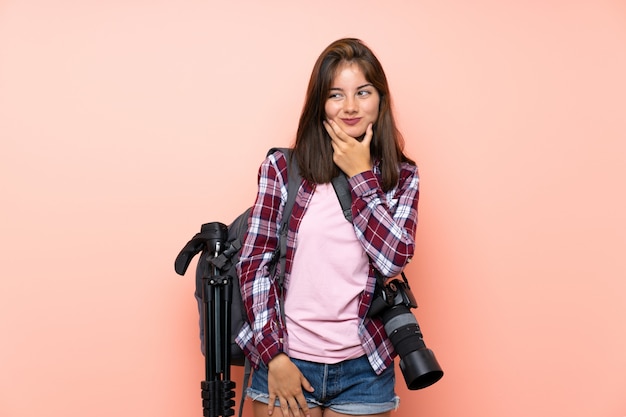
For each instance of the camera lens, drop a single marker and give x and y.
(417, 363)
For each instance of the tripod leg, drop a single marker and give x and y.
(217, 390)
(208, 386)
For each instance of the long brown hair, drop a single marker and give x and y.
(313, 149)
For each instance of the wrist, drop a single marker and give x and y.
(358, 172)
(278, 360)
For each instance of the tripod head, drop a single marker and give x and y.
(212, 237)
(216, 235)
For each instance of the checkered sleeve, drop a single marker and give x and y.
(259, 289)
(385, 223)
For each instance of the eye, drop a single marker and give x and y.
(364, 93)
(334, 96)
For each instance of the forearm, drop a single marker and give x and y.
(385, 224)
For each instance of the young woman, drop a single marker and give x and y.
(328, 358)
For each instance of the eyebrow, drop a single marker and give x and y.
(358, 88)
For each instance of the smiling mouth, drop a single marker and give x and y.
(351, 122)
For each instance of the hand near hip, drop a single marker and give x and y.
(285, 383)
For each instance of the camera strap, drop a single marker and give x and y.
(344, 194)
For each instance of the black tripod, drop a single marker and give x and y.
(217, 389)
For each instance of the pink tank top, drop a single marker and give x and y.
(329, 272)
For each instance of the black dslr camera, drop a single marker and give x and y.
(392, 302)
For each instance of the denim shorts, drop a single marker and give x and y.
(348, 387)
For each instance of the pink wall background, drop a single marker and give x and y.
(118, 120)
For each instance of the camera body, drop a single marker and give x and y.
(417, 363)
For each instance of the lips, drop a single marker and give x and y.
(351, 122)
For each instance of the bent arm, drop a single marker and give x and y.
(385, 223)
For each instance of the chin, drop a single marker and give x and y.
(356, 133)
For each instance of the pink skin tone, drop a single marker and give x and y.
(351, 110)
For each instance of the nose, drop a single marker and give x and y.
(350, 105)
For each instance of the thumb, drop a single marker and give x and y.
(369, 134)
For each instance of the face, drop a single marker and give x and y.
(352, 101)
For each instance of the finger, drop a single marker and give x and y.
(284, 407)
(270, 405)
(337, 133)
(333, 136)
(294, 406)
(328, 128)
(369, 134)
(307, 385)
(304, 407)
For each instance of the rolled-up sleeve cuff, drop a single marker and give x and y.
(268, 349)
(363, 184)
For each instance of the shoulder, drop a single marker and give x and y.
(408, 173)
(408, 167)
(274, 165)
(278, 158)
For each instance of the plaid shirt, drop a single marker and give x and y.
(384, 224)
